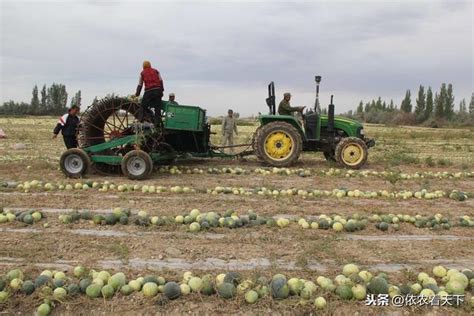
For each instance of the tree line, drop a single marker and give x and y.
(50, 100)
(429, 109)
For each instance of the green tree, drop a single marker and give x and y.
(471, 104)
(378, 104)
(35, 103)
(406, 103)
(391, 106)
(76, 99)
(421, 103)
(44, 101)
(439, 101)
(429, 104)
(360, 108)
(462, 106)
(57, 99)
(449, 103)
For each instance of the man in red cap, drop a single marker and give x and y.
(153, 91)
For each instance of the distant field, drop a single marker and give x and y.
(410, 175)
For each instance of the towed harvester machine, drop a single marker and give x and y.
(112, 141)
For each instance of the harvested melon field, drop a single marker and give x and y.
(208, 236)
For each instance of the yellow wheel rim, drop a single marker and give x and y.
(352, 154)
(279, 145)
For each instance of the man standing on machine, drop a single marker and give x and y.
(153, 91)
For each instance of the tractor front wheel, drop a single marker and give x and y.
(278, 144)
(351, 152)
(137, 165)
(74, 163)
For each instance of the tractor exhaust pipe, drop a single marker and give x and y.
(331, 116)
(317, 108)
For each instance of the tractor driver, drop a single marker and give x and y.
(153, 91)
(172, 100)
(284, 108)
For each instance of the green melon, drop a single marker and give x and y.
(79, 271)
(233, 277)
(279, 288)
(378, 285)
(110, 219)
(58, 283)
(86, 215)
(251, 297)
(359, 292)
(93, 290)
(323, 224)
(455, 287)
(208, 287)
(123, 220)
(84, 283)
(3, 296)
(150, 278)
(28, 219)
(42, 280)
(59, 294)
(350, 227)
(172, 290)
(195, 284)
(73, 289)
(117, 280)
(150, 289)
(383, 226)
(15, 274)
(126, 290)
(344, 292)
(405, 289)
(226, 290)
(97, 219)
(28, 287)
(107, 291)
(43, 310)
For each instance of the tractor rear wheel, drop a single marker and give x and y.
(74, 163)
(137, 165)
(351, 152)
(278, 144)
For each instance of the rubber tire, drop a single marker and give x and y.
(254, 142)
(273, 127)
(85, 160)
(330, 156)
(148, 164)
(345, 141)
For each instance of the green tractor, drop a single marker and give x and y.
(111, 140)
(280, 139)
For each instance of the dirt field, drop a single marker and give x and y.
(413, 159)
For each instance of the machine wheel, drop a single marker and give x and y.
(74, 163)
(330, 156)
(254, 141)
(351, 152)
(279, 144)
(137, 165)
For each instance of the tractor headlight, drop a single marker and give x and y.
(361, 132)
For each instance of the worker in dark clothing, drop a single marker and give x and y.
(284, 108)
(68, 124)
(153, 91)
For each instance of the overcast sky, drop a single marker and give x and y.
(220, 55)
